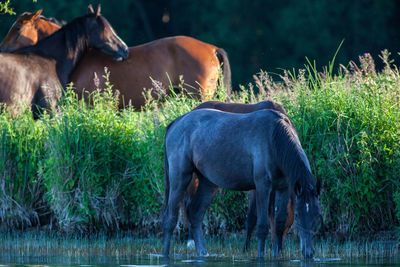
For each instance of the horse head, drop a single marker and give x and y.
(307, 215)
(22, 33)
(103, 37)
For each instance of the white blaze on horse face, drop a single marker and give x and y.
(307, 207)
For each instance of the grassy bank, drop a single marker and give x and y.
(100, 169)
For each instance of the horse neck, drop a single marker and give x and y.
(66, 46)
(46, 28)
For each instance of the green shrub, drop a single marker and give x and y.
(90, 163)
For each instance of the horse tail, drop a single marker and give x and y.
(166, 178)
(226, 69)
(166, 167)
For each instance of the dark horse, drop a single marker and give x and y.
(165, 60)
(281, 209)
(35, 75)
(255, 151)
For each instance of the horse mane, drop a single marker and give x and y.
(53, 20)
(290, 155)
(75, 35)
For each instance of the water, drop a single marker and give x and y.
(34, 250)
(154, 260)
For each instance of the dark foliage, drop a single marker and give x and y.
(259, 34)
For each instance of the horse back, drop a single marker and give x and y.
(241, 107)
(204, 121)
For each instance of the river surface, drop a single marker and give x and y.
(177, 260)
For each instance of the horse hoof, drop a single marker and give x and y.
(190, 244)
(204, 253)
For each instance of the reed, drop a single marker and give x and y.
(29, 244)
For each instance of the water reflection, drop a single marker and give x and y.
(181, 260)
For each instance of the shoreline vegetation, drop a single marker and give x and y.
(128, 244)
(94, 169)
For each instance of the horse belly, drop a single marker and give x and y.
(129, 76)
(227, 171)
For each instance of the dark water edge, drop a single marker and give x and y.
(41, 249)
(182, 260)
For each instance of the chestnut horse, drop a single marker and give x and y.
(27, 30)
(165, 60)
(254, 151)
(281, 205)
(35, 75)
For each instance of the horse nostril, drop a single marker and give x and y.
(126, 53)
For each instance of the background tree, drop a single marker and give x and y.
(5, 8)
(260, 34)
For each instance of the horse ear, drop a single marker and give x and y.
(36, 15)
(90, 9)
(297, 188)
(319, 186)
(98, 10)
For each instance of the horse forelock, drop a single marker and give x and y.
(24, 16)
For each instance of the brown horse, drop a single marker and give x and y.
(281, 204)
(27, 30)
(35, 75)
(164, 60)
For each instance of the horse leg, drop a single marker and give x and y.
(251, 219)
(196, 210)
(190, 192)
(177, 190)
(281, 215)
(190, 241)
(262, 199)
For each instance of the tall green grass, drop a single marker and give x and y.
(21, 185)
(349, 124)
(95, 168)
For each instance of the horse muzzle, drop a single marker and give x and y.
(123, 54)
(307, 245)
